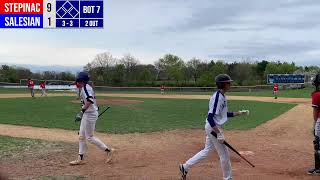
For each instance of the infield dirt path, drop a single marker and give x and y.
(175, 96)
(282, 149)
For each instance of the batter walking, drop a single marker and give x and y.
(88, 117)
(217, 115)
(316, 118)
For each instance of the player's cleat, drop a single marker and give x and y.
(183, 172)
(314, 172)
(110, 153)
(77, 162)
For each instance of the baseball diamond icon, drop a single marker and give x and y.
(68, 9)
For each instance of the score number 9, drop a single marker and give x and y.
(49, 9)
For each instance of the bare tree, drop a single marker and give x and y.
(193, 66)
(101, 65)
(104, 60)
(130, 63)
(160, 68)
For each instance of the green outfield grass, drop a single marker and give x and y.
(13, 90)
(151, 115)
(292, 93)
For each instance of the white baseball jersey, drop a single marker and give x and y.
(217, 115)
(218, 107)
(87, 94)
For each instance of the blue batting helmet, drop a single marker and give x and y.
(221, 79)
(83, 77)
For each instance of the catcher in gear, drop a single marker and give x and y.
(316, 117)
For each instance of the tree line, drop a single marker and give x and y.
(170, 70)
(13, 74)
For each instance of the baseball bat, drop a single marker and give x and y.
(233, 149)
(104, 111)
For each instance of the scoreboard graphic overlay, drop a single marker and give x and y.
(50, 14)
(285, 78)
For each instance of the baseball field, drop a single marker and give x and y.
(152, 134)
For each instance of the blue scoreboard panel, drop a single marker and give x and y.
(51, 14)
(286, 79)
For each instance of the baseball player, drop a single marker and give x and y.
(217, 115)
(162, 89)
(275, 91)
(30, 85)
(316, 117)
(43, 88)
(88, 117)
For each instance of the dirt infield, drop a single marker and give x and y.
(175, 96)
(281, 149)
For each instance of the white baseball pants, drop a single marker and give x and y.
(211, 145)
(87, 128)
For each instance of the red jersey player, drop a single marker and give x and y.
(275, 90)
(30, 85)
(43, 88)
(162, 89)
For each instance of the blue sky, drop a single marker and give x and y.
(208, 29)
